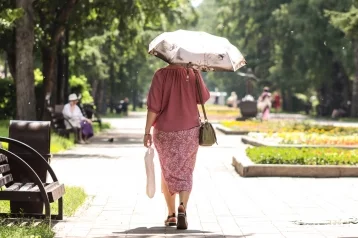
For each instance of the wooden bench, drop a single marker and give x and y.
(58, 122)
(30, 189)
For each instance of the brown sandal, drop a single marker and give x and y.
(182, 223)
(171, 220)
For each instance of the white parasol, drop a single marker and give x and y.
(197, 49)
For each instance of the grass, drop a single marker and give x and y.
(59, 143)
(105, 125)
(17, 231)
(73, 199)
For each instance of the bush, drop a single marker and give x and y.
(302, 156)
(79, 85)
(7, 99)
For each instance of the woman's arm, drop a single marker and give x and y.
(150, 120)
(154, 104)
(151, 116)
(80, 115)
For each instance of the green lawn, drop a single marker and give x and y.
(73, 199)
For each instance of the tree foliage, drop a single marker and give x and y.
(289, 45)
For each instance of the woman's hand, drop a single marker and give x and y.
(147, 141)
(89, 121)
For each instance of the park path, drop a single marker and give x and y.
(222, 204)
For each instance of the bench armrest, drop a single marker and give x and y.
(34, 152)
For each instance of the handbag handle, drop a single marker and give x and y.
(200, 95)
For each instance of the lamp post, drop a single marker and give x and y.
(249, 75)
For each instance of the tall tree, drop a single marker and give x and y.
(53, 18)
(348, 23)
(25, 91)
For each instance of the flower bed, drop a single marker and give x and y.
(303, 156)
(307, 138)
(288, 126)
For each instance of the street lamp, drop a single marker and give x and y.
(249, 75)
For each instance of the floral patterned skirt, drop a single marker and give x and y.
(177, 155)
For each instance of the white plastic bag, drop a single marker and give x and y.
(149, 168)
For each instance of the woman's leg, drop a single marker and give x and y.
(170, 199)
(184, 197)
(80, 136)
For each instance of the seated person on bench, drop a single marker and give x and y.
(82, 125)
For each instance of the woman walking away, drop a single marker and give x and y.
(173, 112)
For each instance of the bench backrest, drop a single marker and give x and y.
(6, 178)
(58, 111)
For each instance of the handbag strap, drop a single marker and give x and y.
(200, 95)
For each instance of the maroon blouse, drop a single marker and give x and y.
(174, 98)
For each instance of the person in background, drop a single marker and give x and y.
(277, 101)
(232, 100)
(82, 125)
(173, 111)
(264, 103)
(125, 106)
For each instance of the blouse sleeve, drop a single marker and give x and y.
(154, 100)
(66, 111)
(204, 90)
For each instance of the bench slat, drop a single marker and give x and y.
(26, 186)
(3, 158)
(46, 185)
(4, 168)
(50, 185)
(14, 187)
(5, 180)
(54, 192)
(34, 189)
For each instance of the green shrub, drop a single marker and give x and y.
(79, 85)
(302, 156)
(59, 143)
(7, 99)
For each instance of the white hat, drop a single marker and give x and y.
(72, 97)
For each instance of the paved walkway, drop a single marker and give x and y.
(222, 204)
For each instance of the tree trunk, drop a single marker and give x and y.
(94, 87)
(287, 103)
(25, 85)
(61, 65)
(6, 65)
(112, 87)
(67, 66)
(354, 109)
(49, 64)
(49, 50)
